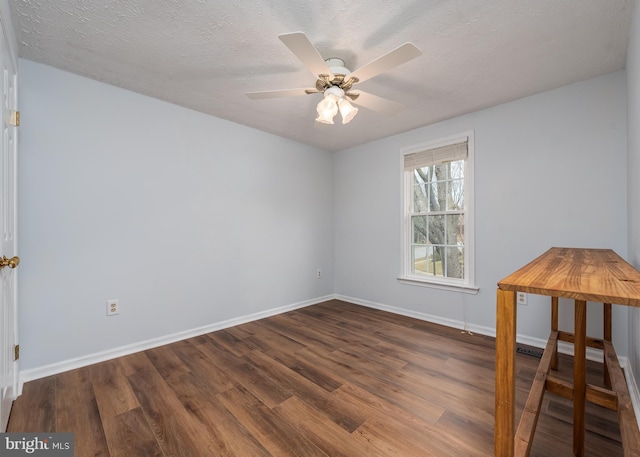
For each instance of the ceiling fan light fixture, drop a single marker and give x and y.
(334, 80)
(347, 110)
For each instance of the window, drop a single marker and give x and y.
(438, 223)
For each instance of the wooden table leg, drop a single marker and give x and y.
(607, 337)
(579, 376)
(505, 373)
(554, 328)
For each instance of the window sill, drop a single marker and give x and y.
(439, 285)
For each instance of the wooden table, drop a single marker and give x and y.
(597, 275)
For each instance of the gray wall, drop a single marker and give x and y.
(550, 170)
(187, 219)
(633, 183)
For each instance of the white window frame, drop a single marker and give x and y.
(406, 276)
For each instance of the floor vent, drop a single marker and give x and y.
(529, 351)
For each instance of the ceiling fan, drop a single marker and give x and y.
(336, 82)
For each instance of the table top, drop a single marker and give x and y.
(598, 275)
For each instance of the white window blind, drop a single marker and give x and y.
(435, 156)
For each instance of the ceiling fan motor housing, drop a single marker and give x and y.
(336, 65)
(340, 79)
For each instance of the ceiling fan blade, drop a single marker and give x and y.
(299, 44)
(398, 56)
(260, 95)
(379, 104)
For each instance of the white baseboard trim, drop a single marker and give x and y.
(89, 359)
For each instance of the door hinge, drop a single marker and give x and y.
(14, 118)
(16, 352)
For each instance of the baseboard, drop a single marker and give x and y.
(417, 315)
(89, 359)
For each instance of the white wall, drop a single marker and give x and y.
(633, 183)
(187, 219)
(550, 170)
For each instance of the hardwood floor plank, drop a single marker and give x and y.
(393, 393)
(334, 440)
(111, 389)
(316, 375)
(77, 412)
(137, 363)
(272, 342)
(275, 434)
(128, 434)
(372, 406)
(331, 327)
(410, 427)
(167, 362)
(475, 431)
(34, 410)
(226, 341)
(344, 416)
(409, 355)
(270, 392)
(174, 428)
(390, 441)
(201, 365)
(228, 436)
(286, 324)
(448, 393)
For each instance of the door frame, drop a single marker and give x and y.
(7, 34)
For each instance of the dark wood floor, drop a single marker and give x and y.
(330, 380)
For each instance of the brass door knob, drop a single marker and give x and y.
(11, 263)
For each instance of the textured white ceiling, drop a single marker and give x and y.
(205, 54)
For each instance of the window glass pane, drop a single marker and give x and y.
(420, 198)
(435, 261)
(420, 175)
(438, 196)
(455, 262)
(453, 223)
(436, 229)
(455, 195)
(428, 260)
(441, 172)
(419, 229)
(456, 169)
(419, 259)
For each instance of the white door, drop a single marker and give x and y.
(8, 241)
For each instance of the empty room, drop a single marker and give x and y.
(349, 228)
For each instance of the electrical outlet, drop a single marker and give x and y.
(522, 298)
(319, 273)
(113, 307)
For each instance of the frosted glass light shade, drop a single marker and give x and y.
(327, 109)
(347, 110)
